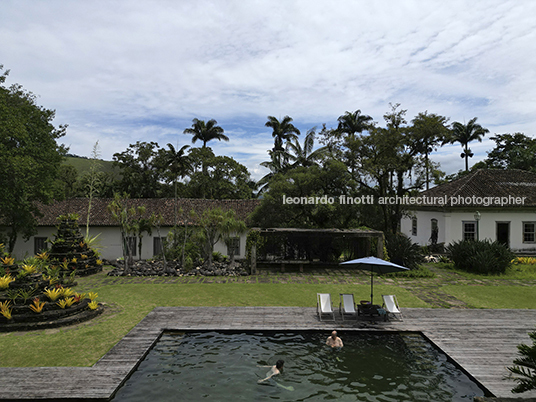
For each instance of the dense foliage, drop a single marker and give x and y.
(480, 256)
(402, 251)
(30, 159)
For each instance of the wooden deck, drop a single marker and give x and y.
(482, 342)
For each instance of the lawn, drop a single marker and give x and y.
(84, 344)
(508, 297)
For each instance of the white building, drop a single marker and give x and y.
(102, 224)
(486, 204)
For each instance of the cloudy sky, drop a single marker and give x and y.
(126, 71)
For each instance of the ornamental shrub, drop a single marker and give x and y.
(480, 256)
(402, 251)
(524, 367)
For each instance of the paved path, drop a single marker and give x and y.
(482, 342)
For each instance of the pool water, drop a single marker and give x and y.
(220, 366)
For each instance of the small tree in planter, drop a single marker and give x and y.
(128, 219)
(215, 225)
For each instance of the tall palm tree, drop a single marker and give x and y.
(352, 123)
(305, 156)
(464, 134)
(283, 131)
(206, 131)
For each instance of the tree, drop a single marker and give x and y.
(354, 123)
(175, 165)
(305, 156)
(206, 131)
(30, 159)
(221, 177)
(329, 180)
(466, 133)
(387, 163)
(215, 224)
(513, 151)
(128, 221)
(141, 176)
(428, 131)
(283, 131)
(66, 182)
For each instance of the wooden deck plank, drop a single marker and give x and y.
(482, 342)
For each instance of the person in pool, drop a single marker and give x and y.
(334, 341)
(274, 370)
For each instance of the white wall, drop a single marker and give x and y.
(110, 241)
(451, 229)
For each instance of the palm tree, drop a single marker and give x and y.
(206, 131)
(306, 156)
(352, 123)
(174, 164)
(278, 163)
(283, 131)
(464, 134)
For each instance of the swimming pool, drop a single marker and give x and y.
(223, 366)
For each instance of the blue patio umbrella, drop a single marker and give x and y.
(374, 264)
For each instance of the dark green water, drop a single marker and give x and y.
(219, 366)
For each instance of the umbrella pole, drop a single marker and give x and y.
(371, 286)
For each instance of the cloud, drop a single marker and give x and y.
(128, 71)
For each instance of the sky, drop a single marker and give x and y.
(118, 72)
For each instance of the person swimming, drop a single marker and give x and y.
(274, 370)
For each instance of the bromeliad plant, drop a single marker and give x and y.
(37, 305)
(5, 281)
(54, 294)
(92, 296)
(67, 302)
(93, 305)
(7, 260)
(5, 310)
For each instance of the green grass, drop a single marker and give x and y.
(84, 344)
(497, 297)
(515, 271)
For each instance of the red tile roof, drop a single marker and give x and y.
(491, 183)
(164, 206)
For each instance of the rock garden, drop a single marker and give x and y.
(38, 292)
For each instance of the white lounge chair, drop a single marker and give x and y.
(323, 305)
(390, 304)
(347, 305)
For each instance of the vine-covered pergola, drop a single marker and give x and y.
(291, 246)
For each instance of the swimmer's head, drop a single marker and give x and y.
(279, 364)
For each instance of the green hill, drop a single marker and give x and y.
(82, 165)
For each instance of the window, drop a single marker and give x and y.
(414, 226)
(529, 231)
(469, 230)
(40, 244)
(233, 248)
(131, 241)
(158, 246)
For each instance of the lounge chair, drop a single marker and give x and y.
(323, 305)
(390, 304)
(347, 305)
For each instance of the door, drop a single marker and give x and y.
(503, 233)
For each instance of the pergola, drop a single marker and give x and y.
(291, 246)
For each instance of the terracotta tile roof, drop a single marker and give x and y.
(492, 184)
(164, 206)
